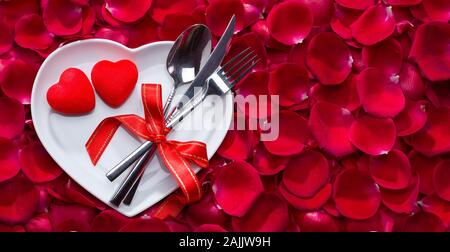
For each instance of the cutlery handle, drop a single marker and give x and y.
(169, 100)
(127, 184)
(129, 160)
(129, 198)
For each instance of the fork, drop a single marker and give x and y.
(219, 83)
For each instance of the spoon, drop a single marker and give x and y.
(186, 57)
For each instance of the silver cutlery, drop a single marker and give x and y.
(210, 66)
(188, 54)
(219, 83)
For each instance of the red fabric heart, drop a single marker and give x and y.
(72, 94)
(114, 81)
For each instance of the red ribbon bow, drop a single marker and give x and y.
(175, 154)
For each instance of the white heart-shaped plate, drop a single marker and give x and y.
(64, 136)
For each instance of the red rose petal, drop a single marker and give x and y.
(290, 82)
(290, 22)
(109, 221)
(439, 94)
(437, 206)
(343, 18)
(434, 137)
(251, 14)
(438, 10)
(372, 135)
(13, 10)
(236, 187)
(5, 228)
(411, 119)
(306, 174)
(106, 15)
(238, 144)
(210, 228)
(46, 52)
(404, 200)
(379, 95)
(418, 12)
(381, 222)
(68, 218)
(423, 222)
(329, 58)
(248, 40)
(392, 170)
(268, 214)
(174, 25)
(411, 82)
(359, 5)
(292, 134)
(344, 95)
(356, 194)
(6, 37)
(315, 202)
(88, 21)
(32, 33)
(56, 188)
(206, 211)
(424, 167)
(9, 161)
(322, 10)
(39, 223)
(441, 179)
(358, 63)
(297, 54)
(37, 164)
(142, 33)
(330, 125)
(260, 4)
(260, 28)
(403, 3)
(266, 163)
(430, 50)
(161, 8)
(17, 79)
(62, 17)
(317, 221)
(219, 12)
(386, 55)
(374, 25)
(119, 35)
(128, 10)
(75, 193)
(19, 200)
(176, 225)
(12, 118)
(145, 225)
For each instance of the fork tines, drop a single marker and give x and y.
(239, 66)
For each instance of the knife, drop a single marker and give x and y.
(210, 66)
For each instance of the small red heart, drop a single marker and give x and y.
(114, 81)
(72, 94)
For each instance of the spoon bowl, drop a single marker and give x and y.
(186, 57)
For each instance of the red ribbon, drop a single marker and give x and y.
(174, 154)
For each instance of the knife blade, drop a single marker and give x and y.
(213, 62)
